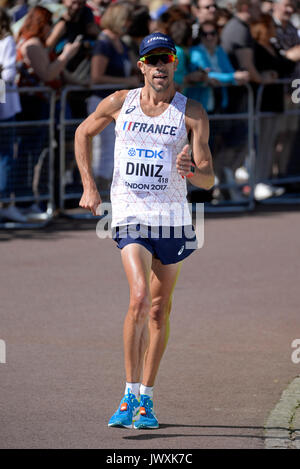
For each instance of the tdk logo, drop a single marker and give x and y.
(143, 153)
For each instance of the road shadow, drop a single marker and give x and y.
(207, 432)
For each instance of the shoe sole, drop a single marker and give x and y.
(145, 427)
(119, 425)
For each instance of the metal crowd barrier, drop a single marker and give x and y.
(31, 172)
(289, 120)
(238, 201)
(41, 189)
(70, 186)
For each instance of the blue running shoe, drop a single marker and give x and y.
(128, 408)
(147, 418)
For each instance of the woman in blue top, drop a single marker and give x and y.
(181, 33)
(211, 57)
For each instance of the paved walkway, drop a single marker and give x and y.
(235, 315)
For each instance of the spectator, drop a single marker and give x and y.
(223, 16)
(203, 10)
(98, 8)
(110, 64)
(8, 111)
(161, 9)
(172, 14)
(287, 37)
(138, 29)
(181, 33)
(237, 41)
(288, 43)
(37, 67)
(186, 5)
(19, 10)
(210, 56)
(77, 21)
(267, 58)
(267, 6)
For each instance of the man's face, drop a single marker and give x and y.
(284, 9)
(160, 75)
(254, 10)
(206, 10)
(74, 5)
(267, 7)
(209, 36)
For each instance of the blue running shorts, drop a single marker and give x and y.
(169, 244)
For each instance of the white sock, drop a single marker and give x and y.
(134, 388)
(148, 390)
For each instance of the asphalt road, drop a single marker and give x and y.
(63, 297)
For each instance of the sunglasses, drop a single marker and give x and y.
(210, 33)
(153, 59)
(208, 7)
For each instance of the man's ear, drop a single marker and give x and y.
(141, 67)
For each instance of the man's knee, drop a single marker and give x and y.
(140, 305)
(159, 313)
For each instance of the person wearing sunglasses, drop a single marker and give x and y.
(203, 10)
(210, 56)
(150, 216)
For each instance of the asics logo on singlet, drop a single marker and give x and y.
(130, 109)
(143, 127)
(144, 153)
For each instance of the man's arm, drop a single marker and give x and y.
(106, 111)
(197, 123)
(57, 32)
(293, 53)
(246, 62)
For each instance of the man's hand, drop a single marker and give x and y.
(241, 77)
(184, 161)
(91, 200)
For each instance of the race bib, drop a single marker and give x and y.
(146, 169)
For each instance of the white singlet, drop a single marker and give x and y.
(146, 186)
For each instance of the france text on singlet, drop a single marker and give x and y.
(146, 186)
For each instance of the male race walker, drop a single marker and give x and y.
(157, 130)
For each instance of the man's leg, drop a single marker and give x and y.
(137, 262)
(162, 283)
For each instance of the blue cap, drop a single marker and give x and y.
(154, 41)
